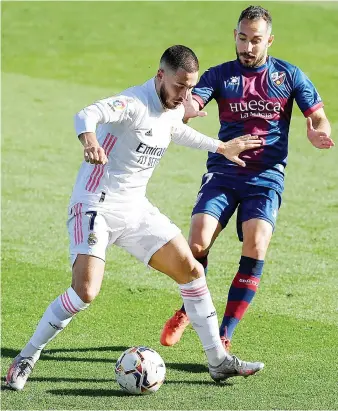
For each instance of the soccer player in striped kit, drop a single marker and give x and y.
(124, 138)
(255, 94)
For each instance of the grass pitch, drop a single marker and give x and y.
(58, 57)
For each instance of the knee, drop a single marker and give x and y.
(191, 270)
(257, 235)
(199, 250)
(257, 253)
(256, 249)
(197, 270)
(85, 292)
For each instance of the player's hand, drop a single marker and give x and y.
(95, 155)
(231, 149)
(319, 139)
(192, 109)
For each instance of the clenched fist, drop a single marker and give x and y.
(93, 153)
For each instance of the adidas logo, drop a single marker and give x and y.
(212, 314)
(149, 133)
(56, 327)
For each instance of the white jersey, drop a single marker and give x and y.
(135, 130)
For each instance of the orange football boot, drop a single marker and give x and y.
(174, 328)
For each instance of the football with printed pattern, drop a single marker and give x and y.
(140, 370)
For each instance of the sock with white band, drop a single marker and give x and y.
(202, 315)
(56, 317)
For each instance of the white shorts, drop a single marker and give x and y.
(141, 231)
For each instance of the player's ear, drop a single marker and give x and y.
(235, 34)
(160, 73)
(271, 39)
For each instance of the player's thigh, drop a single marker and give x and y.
(89, 236)
(176, 260)
(89, 232)
(87, 276)
(256, 221)
(257, 234)
(215, 204)
(204, 229)
(158, 242)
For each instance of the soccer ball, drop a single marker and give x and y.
(140, 370)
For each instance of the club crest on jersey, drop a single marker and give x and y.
(117, 105)
(92, 239)
(278, 77)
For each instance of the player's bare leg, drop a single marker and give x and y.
(257, 234)
(176, 260)
(256, 238)
(86, 283)
(87, 276)
(204, 230)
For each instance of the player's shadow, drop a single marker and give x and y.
(119, 348)
(187, 367)
(63, 379)
(84, 392)
(52, 355)
(67, 379)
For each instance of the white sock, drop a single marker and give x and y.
(202, 315)
(57, 316)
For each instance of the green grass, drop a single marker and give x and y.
(56, 58)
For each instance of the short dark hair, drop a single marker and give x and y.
(254, 13)
(179, 56)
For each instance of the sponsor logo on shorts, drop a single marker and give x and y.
(212, 314)
(92, 239)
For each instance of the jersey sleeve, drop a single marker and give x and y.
(115, 109)
(306, 95)
(184, 135)
(204, 91)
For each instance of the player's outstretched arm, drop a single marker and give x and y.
(319, 130)
(231, 149)
(187, 136)
(93, 152)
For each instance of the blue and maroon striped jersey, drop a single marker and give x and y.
(256, 101)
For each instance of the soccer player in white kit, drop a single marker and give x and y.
(124, 138)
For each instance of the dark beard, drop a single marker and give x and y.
(164, 97)
(257, 62)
